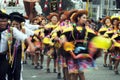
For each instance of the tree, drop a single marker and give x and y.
(66, 5)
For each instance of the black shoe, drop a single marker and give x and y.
(24, 62)
(110, 67)
(37, 64)
(116, 72)
(104, 65)
(113, 62)
(59, 76)
(32, 63)
(41, 67)
(54, 71)
(36, 67)
(48, 70)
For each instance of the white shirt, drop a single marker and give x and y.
(28, 32)
(31, 27)
(4, 39)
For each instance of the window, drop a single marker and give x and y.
(94, 9)
(114, 3)
(104, 11)
(106, 2)
(95, 1)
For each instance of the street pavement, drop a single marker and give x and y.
(102, 73)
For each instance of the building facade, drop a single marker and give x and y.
(97, 8)
(102, 8)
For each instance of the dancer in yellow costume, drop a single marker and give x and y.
(53, 23)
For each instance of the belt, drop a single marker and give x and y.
(80, 40)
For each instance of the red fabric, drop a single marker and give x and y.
(46, 5)
(17, 1)
(60, 6)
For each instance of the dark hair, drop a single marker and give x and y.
(17, 18)
(114, 20)
(107, 17)
(62, 12)
(118, 24)
(71, 13)
(80, 15)
(100, 19)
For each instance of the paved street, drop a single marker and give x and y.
(102, 73)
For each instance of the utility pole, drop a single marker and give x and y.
(101, 11)
(107, 7)
(87, 5)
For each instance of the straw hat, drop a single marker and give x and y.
(71, 12)
(115, 18)
(52, 14)
(79, 12)
(107, 17)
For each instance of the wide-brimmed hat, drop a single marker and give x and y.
(114, 17)
(66, 12)
(17, 17)
(104, 19)
(60, 13)
(71, 12)
(53, 14)
(79, 12)
(4, 15)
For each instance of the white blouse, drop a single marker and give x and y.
(4, 39)
(31, 26)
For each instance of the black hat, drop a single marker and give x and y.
(17, 17)
(4, 15)
(16, 13)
